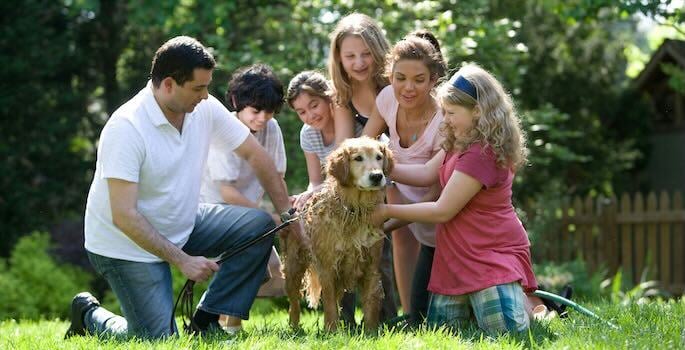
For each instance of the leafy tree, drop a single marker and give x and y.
(42, 103)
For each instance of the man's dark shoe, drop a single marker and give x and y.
(211, 329)
(81, 303)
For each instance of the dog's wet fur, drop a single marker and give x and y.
(346, 247)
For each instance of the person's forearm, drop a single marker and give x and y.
(139, 230)
(231, 195)
(314, 186)
(428, 212)
(413, 175)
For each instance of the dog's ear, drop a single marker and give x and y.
(339, 166)
(388, 159)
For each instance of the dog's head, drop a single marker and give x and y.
(361, 162)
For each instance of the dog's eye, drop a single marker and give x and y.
(378, 157)
(358, 158)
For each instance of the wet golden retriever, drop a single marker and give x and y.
(346, 247)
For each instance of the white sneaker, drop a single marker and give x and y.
(232, 330)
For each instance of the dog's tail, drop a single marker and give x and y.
(313, 288)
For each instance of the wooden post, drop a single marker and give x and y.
(678, 246)
(578, 235)
(652, 257)
(566, 238)
(608, 242)
(589, 219)
(626, 237)
(639, 234)
(666, 248)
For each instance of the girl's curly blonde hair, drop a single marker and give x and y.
(497, 125)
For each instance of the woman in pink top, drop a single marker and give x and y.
(482, 259)
(411, 115)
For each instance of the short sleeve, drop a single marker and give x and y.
(306, 141)
(481, 165)
(227, 131)
(276, 139)
(223, 166)
(121, 151)
(437, 142)
(385, 101)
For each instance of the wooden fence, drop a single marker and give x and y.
(630, 233)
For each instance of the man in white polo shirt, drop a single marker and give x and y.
(143, 210)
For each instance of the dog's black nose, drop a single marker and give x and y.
(376, 178)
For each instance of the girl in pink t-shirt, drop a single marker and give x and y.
(482, 258)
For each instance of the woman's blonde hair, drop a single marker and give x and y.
(364, 27)
(311, 82)
(497, 125)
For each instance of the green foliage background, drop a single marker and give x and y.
(66, 64)
(34, 285)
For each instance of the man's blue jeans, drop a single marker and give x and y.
(144, 289)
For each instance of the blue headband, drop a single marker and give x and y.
(464, 85)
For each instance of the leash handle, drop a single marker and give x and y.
(185, 297)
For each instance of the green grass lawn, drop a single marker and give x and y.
(651, 325)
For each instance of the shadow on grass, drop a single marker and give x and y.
(538, 334)
(278, 332)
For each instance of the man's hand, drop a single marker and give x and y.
(198, 268)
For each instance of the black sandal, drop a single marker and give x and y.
(566, 293)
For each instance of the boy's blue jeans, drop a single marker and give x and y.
(144, 289)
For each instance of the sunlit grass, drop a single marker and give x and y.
(656, 324)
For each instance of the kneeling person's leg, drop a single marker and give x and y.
(501, 308)
(145, 294)
(220, 228)
(448, 310)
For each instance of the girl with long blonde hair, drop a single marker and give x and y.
(355, 65)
